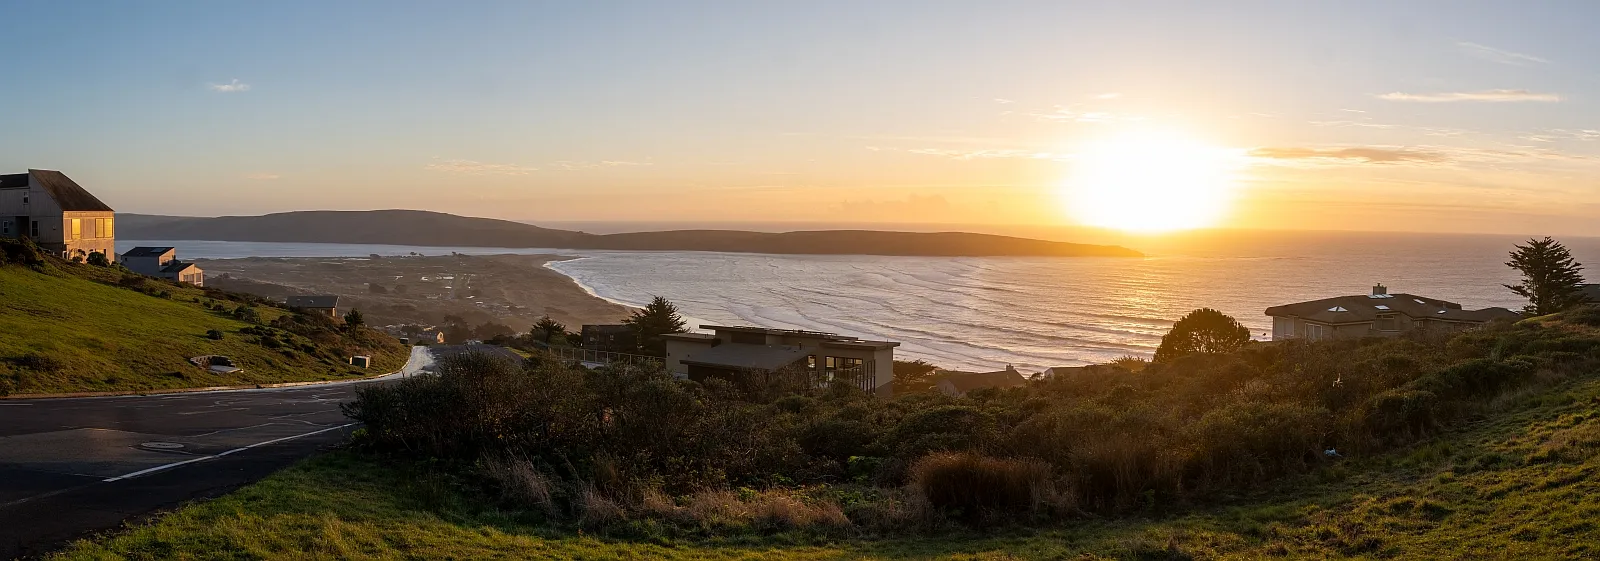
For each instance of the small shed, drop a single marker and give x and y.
(325, 304)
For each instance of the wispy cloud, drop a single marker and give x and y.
(986, 154)
(1002, 100)
(568, 165)
(1499, 55)
(261, 176)
(1359, 154)
(472, 167)
(1069, 114)
(1484, 95)
(230, 87)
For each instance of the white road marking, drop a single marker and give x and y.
(204, 458)
(212, 411)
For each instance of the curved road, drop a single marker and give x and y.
(69, 467)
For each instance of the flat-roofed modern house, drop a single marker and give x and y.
(745, 353)
(162, 262)
(325, 304)
(56, 213)
(1379, 314)
(614, 338)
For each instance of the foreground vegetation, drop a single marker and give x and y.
(75, 327)
(1520, 483)
(1482, 444)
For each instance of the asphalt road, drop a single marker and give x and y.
(72, 467)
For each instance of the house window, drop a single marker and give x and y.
(33, 229)
(102, 227)
(77, 228)
(1387, 322)
(5, 228)
(811, 362)
(1315, 332)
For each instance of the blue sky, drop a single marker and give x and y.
(1452, 116)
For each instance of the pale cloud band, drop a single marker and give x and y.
(231, 87)
(1484, 96)
(471, 167)
(1371, 155)
(261, 176)
(1500, 55)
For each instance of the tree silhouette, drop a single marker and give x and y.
(354, 319)
(1202, 331)
(1550, 277)
(548, 329)
(658, 318)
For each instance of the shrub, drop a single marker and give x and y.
(133, 280)
(40, 362)
(520, 482)
(973, 482)
(98, 259)
(247, 314)
(214, 334)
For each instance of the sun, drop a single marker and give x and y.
(1149, 181)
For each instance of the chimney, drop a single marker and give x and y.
(1379, 290)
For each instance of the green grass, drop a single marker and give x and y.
(102, 337)
(1522, 484)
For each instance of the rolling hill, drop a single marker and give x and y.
(73, 327)
(426, 228)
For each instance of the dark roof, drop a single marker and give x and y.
(967, 381)
(606, 328)
(145, 251)
(13, 180)
(318, 301)
(176, 267)
(746, 356)
(1365, 308)
(1592, 292)
(66, 192)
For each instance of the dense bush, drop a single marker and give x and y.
(1106, 440)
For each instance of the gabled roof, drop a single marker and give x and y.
(146, 251)
(67, 193)
(967, 381)
(1366, 308)
(746, 356)
(317, 301)
(176, 267)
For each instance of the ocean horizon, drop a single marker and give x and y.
(978, 313)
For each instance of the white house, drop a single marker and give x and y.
(56, 213)
(162, 262)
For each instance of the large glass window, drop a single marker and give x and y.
(77, 228)
(1387, 322)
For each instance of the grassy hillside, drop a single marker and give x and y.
(68, 327)
(1513, 473)
(1523, 484)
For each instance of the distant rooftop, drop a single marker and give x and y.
(317, 301)
(146, 251)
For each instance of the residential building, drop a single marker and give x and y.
(611, 338)
(1378, 314)
(162, 262)
(958, 384)
(325, 304)
(56, 213)
(743, 353)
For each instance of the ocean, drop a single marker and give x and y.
(1033, 313)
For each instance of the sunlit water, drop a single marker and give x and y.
(1030, 312)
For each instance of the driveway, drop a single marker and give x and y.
(69, 467)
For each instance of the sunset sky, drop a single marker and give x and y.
(1436, 116)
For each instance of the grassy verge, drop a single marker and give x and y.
(70, 328)
(1521, 484)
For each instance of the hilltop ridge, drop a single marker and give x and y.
(428, 228)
